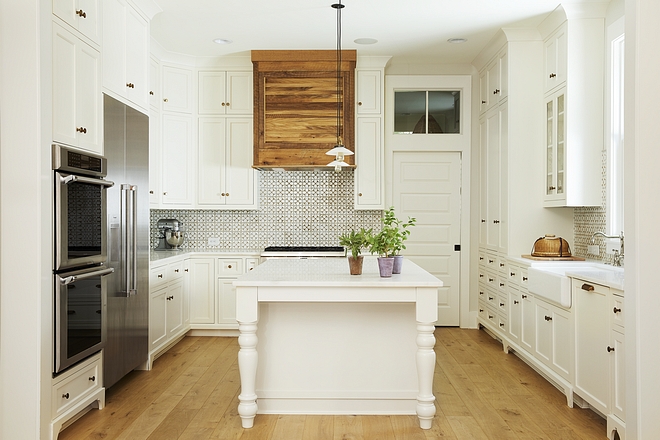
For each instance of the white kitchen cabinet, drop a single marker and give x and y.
(81, 15)
(154, 84)
(76, 92)
(226, 179)
(592, 337)
(76, 389)
(369, 174)
(527, 322)
(555, 49)
(225, 93)
(515, 314)
(202, 290)
(554, 338)
(167, 304)
(618, 371)
(226, 303)
(573, 82)
(177, 87)
(177, 160)
(154, 159)
(493, 82)
(126, 53)
(369, 92)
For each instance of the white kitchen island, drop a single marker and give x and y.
(316, 340)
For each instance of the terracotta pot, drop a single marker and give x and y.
(398, 263)
(385, 266)
(355, 265)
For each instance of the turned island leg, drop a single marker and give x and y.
(425, 370)
(247, 367)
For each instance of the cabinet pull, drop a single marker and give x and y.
(81, 129)
(610, 349)
(81, 13)
(229, 266)
(516, 302)
(501, 284)
(481, 293)
(501, 324)
(483, 220)
(553, 75)
(185, 270)
(501, 264)
(497, 222)
(588, 287)
(360, 195)
(616, 310)
(501, 304)
(359, 102)
(92, 378)
(66, 396)
(490, 261)
(524, 297)
(176, 270)
(548, 318)
(483, 102)
(496, 92)
(513, 274)
(165, 100)
(160, 275)
(524, 278)
(490, 280)
(151, 92)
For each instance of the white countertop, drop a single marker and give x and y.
(333, 272)
(610, 276)
(155, 255)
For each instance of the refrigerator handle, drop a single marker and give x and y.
(129, 238)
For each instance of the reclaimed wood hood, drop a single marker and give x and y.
(295, 107)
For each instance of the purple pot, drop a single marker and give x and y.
(398, 263)
(385, 265)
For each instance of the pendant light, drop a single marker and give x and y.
(339, 151)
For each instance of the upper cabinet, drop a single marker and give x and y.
(76, 92)
(369, 91)
(126, 53)
(573, 107)
(225, 93)
(81, 15)
(177, 89)
(493, 82)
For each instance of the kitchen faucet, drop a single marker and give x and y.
(618, 254)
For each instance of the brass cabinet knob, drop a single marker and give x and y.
(165, 193)
(81, 129)
(616, 310)
(552, 188)
(151, 92)
(81, 13)
(229, 266)
(151, 191)
(227, 104)
(359, 102)
(360, 195)
(553, 75)
(130, 85)
(165, 100)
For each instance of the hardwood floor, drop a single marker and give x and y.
(481, 393)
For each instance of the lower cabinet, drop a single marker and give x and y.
(168, 300)
(554, 338)
(74, 390)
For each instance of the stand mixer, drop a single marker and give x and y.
(171, 234)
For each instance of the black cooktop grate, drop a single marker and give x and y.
(304, 249)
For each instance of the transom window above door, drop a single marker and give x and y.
(427, 112)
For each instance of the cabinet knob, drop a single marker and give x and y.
(229, 266)
(524, 297)
(222, 104)
(481, 293)
(151, 191)
(185, 270)
(160, 275)
(481, 258)
(496, 92)
(548, 318)
(616, 310)
(81, 129)
(501, 304)
(483, 220)
(524, 278)
(481, 310)
(497, 222)
(553, 75)
(359, 102)
(65, 396)
(483, 102)
(359, 194)
(516, 302)
(165, 100)
(176, 270)
(490, 280)
(227, 104)
(81, 13)
(610, 349)
(501, 264)
(490, 298)
(490, 316)
(165, 193)
(513, 274)
(552, 188)
(481, 275)
(490, 261)
(130, 85)
(151, 92)
(92, 378)
(501, 324)
(501, 284)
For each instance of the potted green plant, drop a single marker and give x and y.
(402, 233)
(388, 243)
(355, 241)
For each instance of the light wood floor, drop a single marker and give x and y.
(481, 392)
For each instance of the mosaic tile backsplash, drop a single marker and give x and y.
(297, 208)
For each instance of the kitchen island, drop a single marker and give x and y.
(316, 340)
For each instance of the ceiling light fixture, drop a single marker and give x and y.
(365, 41)
(222, 41)
(457, 40)
(339, 151)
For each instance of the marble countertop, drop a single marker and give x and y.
(333, 272)
(155, 255)
(610, 276)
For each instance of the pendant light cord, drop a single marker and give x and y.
(339, 7)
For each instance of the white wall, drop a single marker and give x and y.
(642, 186)
(25, 249)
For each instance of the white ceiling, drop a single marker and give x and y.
(411, 29)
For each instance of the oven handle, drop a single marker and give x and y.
(129, 234)
(73, 278)
(73, 178)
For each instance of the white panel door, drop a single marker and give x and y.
(427, 186)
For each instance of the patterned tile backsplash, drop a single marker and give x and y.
(296, 208)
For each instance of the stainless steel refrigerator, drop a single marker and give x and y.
(126, 146)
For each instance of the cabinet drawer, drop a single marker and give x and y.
(158, 275)
(491, 299)
(501, 264)
(251, 263)
(617, 311)
(482, 259)
(73, 387)
(482, 311)
(492, 318)
(523, 277)
(230, 267)
(513, 274)
(174, 271)
(501, 323)
(482, 292)
(502, 304)
(491, 262)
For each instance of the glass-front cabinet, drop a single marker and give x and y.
(427, 112)
(555, 179)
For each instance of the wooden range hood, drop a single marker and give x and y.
(295, 107)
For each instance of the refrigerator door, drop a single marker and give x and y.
(126, 146)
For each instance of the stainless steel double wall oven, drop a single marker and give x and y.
(80, 251)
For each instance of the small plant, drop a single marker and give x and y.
(389, 241)
(355, 241)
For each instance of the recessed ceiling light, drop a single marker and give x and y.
(365, 41)
(457, 40)
(222, 41)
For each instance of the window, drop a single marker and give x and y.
(427, 112)
(615, 133)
